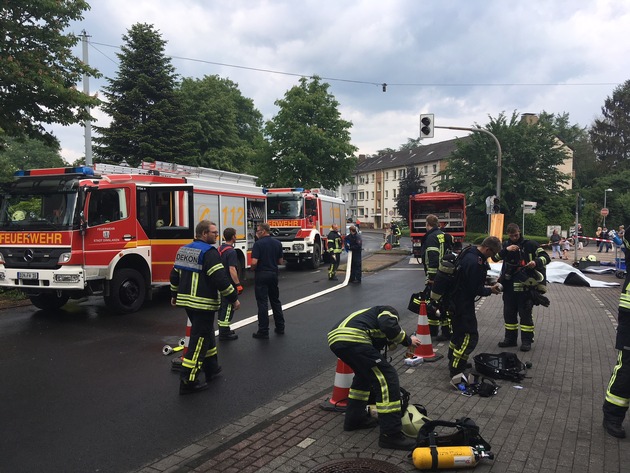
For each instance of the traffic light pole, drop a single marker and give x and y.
(496, 141)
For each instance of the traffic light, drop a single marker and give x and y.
(496, 205)
(426, 125)
(581, 202)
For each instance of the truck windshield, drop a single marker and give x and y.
(284, 206)
(48, 204)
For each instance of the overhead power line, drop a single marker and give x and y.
(384, 85)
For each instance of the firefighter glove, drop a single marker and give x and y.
(239, 289)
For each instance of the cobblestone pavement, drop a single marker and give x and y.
(550, 422)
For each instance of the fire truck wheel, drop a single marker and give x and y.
(127, 291)
(317, 257)
(49, 300)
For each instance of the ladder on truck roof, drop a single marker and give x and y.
(199, 176)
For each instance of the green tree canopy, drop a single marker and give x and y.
(309, 141)
(27, 154)
(147, 118)
(38, 72)
(225, 126)
(531, 154)
(412, 183)
(610, 134)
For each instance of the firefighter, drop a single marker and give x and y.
(197, 279)
(335, 247)
(229, 258)
(395, 229)
(436, 245)
(354, 243)
(522, 261)
(357, 340)
(617, 398)
(470, 284)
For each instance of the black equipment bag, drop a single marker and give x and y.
(505, 365)
(466, 433)
(415, 300)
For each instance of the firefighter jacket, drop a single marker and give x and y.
(434, 250)
(335, 242)
(198, 279)
(514, 275)
(471, 276)
(377, 326)
(624, 299)
(353, 242)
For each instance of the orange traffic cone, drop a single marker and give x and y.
(341, 389)
(425, 349)
(176, 363)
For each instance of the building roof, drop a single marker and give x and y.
(410, 157)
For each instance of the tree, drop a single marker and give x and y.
(147, 119)
(37, 69)
(226, 128)
(412, 183)
(411, 143)
(531, 154)
(610, 134)
(309, 142)
(27, 154)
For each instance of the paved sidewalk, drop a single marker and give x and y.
(551, 422)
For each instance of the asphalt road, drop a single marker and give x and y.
(85, 390)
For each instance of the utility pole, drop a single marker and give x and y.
(87, 124)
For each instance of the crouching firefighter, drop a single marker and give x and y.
(617, 398)
(197, 279)
(357, 340)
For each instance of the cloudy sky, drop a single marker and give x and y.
(463, 60)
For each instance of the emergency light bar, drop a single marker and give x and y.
(88, 171)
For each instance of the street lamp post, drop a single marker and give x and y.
(605, 192)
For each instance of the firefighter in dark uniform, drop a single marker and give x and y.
(198, 281)
(354, 243)
(335, 247)
(470, 284)
(396, 233)
(523, 260)
(358, 340)
(617, 398)
(436, 245)
(229, 258)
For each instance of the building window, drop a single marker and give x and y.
(401, 173)
(426, 170)
(372, 195)
(394, 173)
(378, 186)
(434, 168)
(361, 195)
(386, 175)
(386, 194)
(394, 191)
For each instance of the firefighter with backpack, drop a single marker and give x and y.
(229, 259)
(437, 245)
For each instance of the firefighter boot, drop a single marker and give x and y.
(526, 341)
(397, 441)
(434, 330)
(225, 334)
(510, 339)
(357, 416)
(613, 420)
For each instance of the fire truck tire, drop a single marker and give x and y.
(127, 291)
(49, 300)
(317, 256)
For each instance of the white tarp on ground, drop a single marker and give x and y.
(557, 271)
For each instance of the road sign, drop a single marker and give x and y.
(604, 212)
(529, 207)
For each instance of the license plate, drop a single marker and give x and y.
(27, 275)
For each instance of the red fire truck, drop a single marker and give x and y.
(72, 232)
(450, 209)
(301, 219)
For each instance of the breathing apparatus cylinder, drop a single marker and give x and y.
(431, 458)
(444, 278)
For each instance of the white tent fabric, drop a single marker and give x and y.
(557, 271)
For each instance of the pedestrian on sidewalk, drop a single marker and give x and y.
(335, 247)
(605, 243)
(198, 282)
(470, 284)
(598, 234)
(554, 241)
(617, 398)
(354, 243)
(566, 247)
(357, 340)
(266, 256)
(229, 258)
(522, 260)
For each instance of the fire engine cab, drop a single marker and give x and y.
(71, 232)
(301, 219)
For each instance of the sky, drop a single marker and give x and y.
(462, 60)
